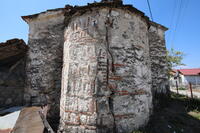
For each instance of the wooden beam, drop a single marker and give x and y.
(46, 124)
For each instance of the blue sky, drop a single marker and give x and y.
(186, 22)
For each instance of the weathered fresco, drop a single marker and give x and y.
(106, 85)
(106, 56)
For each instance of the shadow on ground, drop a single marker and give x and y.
(182, 115)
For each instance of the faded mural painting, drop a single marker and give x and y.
(97, 67)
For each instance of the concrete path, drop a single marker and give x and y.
(187, 93)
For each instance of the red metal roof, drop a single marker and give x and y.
(194, 71)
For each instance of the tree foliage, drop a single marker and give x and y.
(175, 58)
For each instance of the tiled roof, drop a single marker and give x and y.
(194, 71)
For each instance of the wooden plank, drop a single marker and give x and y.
(29, 121)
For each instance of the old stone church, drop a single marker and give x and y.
(98, 67)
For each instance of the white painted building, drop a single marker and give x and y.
(186, 76)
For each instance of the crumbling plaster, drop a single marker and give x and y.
(108, 65)
(106, 84)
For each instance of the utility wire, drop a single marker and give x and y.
(172, 20)
(150, 9)
(182, 10)
(175, 21)
(178, 20)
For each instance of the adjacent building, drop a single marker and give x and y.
(12, 72)
(186, 76)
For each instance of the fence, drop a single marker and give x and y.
(188, 90)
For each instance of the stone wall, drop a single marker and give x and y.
(159, 64)
(44, 61)
(106, 80)
(12, 72)
(114, 58)
(12, 85)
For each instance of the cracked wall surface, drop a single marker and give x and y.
(111, 60)
(106, 80)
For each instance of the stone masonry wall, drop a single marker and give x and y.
(159, 65)
(12, 79)
(106, 80)
(44, 63)
(112, 60)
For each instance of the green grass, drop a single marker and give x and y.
(195, 113)
(182, 88)
(182, 115)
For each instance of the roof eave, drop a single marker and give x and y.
(158, 25)
(28, 18)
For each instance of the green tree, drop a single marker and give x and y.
(175, 58)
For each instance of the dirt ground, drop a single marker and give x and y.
(196, 90)
(182, 115)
